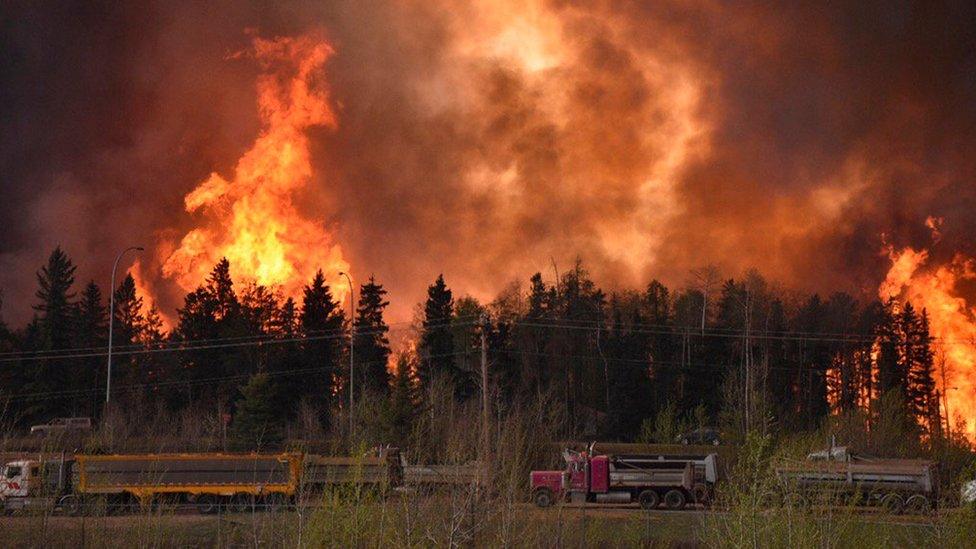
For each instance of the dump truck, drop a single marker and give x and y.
(114, 481)
(648, 479)
(895, 484)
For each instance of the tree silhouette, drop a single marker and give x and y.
(436, 349)
(322, 320)
(372, 345)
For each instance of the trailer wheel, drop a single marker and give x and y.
(675, 499)
(893, 503)
(70, 505)
(918, 505)
(648, 499)
(207, 504)
(542, 497)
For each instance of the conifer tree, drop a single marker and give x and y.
(921, 392)
(90, 331)
(436, 349)
(127, 331)
(322, 321)
(534, 338)
(55, 299)
(257, 422)
(212, 311)
(372, 345)
(129, 320)
(53, 330)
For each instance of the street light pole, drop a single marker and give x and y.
(111, 319)
(352, 351)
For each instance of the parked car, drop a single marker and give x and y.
(62, 425)
(705, 435)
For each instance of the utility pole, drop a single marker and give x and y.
(352, 353)
(484, 398)
(111, 318)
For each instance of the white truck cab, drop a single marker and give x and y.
(27, 484)
(17, 478)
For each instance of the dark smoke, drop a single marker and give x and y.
(823, 127)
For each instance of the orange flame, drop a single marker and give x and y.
(251, 219)
(952, 323)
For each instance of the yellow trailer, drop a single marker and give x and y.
(209, 480)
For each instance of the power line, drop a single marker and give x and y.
(257, 337)
(184, 382)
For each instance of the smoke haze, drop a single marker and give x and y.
(482, 139)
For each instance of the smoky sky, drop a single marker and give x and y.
(490, 140)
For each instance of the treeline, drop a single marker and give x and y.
(633, 365)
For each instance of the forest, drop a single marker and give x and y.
(642, 365)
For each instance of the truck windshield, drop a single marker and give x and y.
(12, 472)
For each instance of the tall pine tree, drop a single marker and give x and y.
(53, 331)
(372, 345)
(436, 349)
(322, 321)
(91, 331)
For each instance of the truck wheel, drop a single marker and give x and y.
(207, 504)
(648, 499)
(71, 505)
(893, 503)
(543, 498)
(918, 505)
(675, 499)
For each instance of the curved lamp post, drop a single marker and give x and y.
(111, 319)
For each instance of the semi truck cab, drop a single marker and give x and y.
(15, 478)
(28, 483)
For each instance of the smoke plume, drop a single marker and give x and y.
(484, 139)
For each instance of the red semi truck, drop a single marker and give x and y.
(648, 479)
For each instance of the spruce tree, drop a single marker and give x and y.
(921, 392)
(372, 345)
(55, 299)
(53, 331)
(436, 349)
(534, 338)
(127, 331)
(129, 320)
(322, 321)
(90, 331)
(257, 421)
(212, 311)
(286, 358)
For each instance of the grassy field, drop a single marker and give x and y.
(446, 522)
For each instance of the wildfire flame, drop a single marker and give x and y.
(951, 320)
(251, 219)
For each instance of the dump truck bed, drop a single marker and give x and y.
(328, 470)
(889, 474)
(219, 474)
